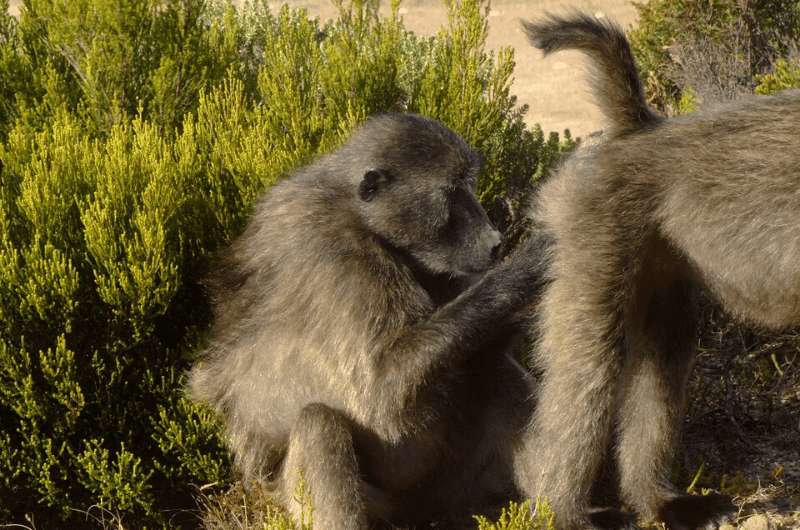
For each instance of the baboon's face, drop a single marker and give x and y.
(431, 212)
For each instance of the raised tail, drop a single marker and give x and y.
(617, 86)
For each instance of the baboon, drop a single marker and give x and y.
(361, 334)
(638, 224)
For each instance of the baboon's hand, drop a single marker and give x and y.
(534, 247)
(528, 264)
(691, 512)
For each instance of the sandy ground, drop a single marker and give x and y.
(554, 88)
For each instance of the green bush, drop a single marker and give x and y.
(786, 74)
(714, 47)
(134, 137)
(520, 517)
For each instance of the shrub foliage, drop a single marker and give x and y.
(715, 48)
(785, 74)
(134, 137)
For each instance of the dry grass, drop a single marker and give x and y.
(743, 423)
(237, 509)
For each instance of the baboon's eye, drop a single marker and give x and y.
(373, 180)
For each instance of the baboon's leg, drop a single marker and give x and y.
(660, 331)
(661, 335)
(580, 353)
(321, 454)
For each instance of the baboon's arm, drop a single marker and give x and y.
(458, 329)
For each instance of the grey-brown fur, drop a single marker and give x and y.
(638, 223)
(352, 344)
(615, 80)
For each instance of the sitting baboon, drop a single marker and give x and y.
(361, 334)
(638, 223)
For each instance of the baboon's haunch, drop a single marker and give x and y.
(352, 344)
(638, 223)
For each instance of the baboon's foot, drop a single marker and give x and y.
(694, 512)
(612, 519)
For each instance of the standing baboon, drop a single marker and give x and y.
(360, 337)
(638, 223)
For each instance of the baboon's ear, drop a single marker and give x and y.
(371, 183)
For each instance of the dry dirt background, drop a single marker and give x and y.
(554, 88)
